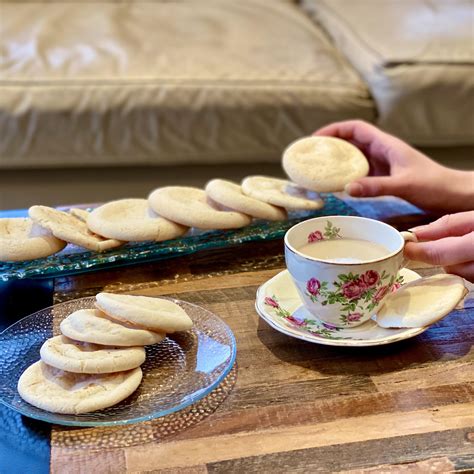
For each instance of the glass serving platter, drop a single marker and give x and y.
(180, 370)
(74, 260)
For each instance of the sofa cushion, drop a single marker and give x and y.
(165, 82)
(418, 59)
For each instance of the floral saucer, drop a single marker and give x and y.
(279, 304)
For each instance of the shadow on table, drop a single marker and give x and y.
(20, 298)
(443, 341)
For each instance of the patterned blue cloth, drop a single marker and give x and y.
(24, 443)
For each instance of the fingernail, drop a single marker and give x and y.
(354, 189)
(417, 229)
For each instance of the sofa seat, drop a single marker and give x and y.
(417, 57)
(165, 82)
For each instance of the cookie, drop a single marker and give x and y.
(132, 220)
(281, 192)
(230, 195)
(191, 207)
(58, 391)
(91, 325)
(154, 314)
(80, 214)
(421, 302)
(21, 239)
(69, 228)
(85, 358)
(324, 164)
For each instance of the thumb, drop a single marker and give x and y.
(374, 186)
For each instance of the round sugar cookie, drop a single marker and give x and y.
(191, 207)
(281, 192)
(230, 195)
(154, 314)
(58, 391)
(132, 220)
(85, 358)
(21, 239)
(324, 164)
(91, 325)
(422, 302)
(81, 214)
(71, 229)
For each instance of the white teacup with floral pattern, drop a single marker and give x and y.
(344, 294)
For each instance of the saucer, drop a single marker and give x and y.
(279, 304)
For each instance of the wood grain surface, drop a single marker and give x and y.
(297, 406)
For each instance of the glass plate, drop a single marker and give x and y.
(74, 260)
(177, 372)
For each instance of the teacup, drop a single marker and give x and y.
(344, 292)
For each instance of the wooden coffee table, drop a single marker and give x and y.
(288, 405)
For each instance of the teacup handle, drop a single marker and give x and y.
(408, 237)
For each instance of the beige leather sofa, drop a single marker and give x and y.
(168, 82)
(417, 57)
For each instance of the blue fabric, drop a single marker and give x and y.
(14, 213)
(24, 443)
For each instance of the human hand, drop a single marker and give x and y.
(447, 242)
(398, 169)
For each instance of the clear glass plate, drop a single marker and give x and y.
(180, 370)
(74, 260)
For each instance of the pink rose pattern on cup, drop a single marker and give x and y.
(396, 286)
(330, 232)
(370, 278)
(313, 286)
(356, 293)
(315, 236)
(321, 329)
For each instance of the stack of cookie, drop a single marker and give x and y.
(96, 361)
(315, 164)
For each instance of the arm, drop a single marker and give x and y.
(398, 169)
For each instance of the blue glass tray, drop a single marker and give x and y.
(73, 260)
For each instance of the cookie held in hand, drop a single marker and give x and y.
(324, 164)
(422, 302)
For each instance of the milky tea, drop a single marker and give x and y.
(344, 250)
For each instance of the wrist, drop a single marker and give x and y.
(460, 185)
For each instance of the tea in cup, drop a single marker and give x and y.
(344, 266)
